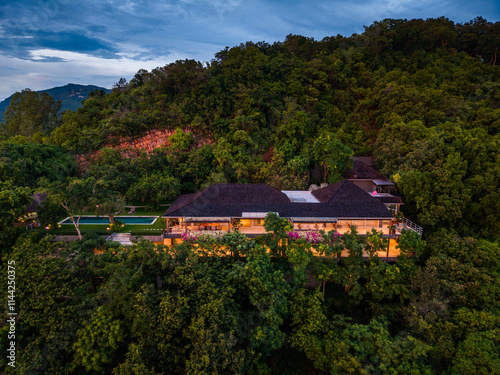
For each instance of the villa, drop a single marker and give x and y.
(374, 182)
(227, 207)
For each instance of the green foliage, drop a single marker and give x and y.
(180, 140)
(25, 164)
(478, 354)
(277, 225)
(31, 114)
(378, 352)
(331, 156)
(97, 341)
(47, 299)
(191, 309)
(154, 189)
(420, 95)
(74, 195)
(13, 202)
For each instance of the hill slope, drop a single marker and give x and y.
(71, 96)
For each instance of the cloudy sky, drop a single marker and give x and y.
(48, 43)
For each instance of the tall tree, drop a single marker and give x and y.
(331, 157)
(30, 112)
(13, 202)
(74, 195)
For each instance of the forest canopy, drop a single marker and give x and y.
(420, 96)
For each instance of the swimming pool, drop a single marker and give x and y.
(137, 220)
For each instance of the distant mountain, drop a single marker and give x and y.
(71, 96)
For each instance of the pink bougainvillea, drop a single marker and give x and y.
(201, 236)
(311, 237)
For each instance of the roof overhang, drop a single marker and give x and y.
(383, 182)
(197, 219)
(314, 219)
(255, 215)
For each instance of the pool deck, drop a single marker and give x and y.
(68, 220)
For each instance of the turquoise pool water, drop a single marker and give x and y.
(140, 220)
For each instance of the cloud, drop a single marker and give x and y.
(49, 68)
(46, 43)
(20, 45)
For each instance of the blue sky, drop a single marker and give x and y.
(48, 43)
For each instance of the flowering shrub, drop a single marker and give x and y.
(336, 236)
(203, 236)
(312, 237)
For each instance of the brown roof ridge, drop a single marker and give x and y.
(342, 199)
(362, 171)
(181, 201)
(344, 192)
(256, 189)
(324, 194)
(231, 193)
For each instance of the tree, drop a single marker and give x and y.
(293, 126)
(436, 188)
(379, 352)
(30, 112)
(180, 139)
(331, 157)
(267, 292)
(13, 202)
(74, 195)
(108, 203)
(98, 341)
(25, 164)
(286, 175)
(48, 296)
(154, 188)
(478, 354)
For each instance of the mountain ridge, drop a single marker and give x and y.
(70, 95)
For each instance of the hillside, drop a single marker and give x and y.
(70, 95)
(420, 96)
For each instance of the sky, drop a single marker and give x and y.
(50, 43)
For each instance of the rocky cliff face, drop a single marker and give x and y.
(131, 147)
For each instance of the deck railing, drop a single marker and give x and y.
(408, 224)
(31, 226)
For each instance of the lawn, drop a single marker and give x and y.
(154, 229)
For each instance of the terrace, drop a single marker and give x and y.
(256, 226)
(243, 207)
